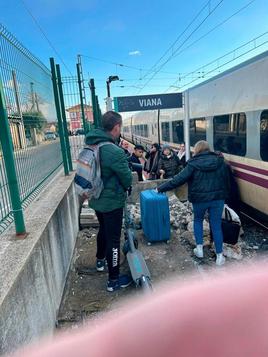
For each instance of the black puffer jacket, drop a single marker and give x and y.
(207, 178)
(171, 165)
(135, 160)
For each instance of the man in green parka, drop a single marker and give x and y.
(117, 179)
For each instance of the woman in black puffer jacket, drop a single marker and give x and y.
(169, 164)
(208, 186)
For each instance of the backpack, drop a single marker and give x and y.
(88, 181)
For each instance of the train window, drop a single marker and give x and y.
(230, 133)
(264, 135)
(197, 130)
(146, 130)
(177, 131)
(165, 131)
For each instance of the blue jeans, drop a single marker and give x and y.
(215, 209)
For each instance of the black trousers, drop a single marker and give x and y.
(108, 240)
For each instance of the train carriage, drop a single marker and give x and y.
(230, 111)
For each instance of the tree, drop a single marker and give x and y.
(34, 119)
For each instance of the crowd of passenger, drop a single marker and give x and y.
(157, 163)
(209, 178)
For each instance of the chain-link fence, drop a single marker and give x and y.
(29, 102)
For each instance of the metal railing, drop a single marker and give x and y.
(27, 112)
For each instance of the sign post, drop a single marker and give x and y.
(186, 125)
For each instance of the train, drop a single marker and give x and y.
(230, 111)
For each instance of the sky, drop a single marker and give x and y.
(136, 34)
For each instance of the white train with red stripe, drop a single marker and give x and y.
(230, 111)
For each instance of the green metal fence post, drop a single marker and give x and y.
(65, 129)
(58, 110)
(7, 147)
(99, 112)
(78, 68)
(94, 102)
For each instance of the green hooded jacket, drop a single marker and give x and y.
(115, 173)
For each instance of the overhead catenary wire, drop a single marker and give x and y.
(207, 33)
(215, 27)
(180, 46)
(178, 38)
(123, 65)
(207, 4)
(217, 60)
(45, 35)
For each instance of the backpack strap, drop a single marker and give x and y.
(105, 143)
(90, 147)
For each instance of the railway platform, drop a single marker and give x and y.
(85, 298)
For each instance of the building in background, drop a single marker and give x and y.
(51, 126)
(75, 116)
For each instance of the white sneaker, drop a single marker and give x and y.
(220, 259)
(198, 251)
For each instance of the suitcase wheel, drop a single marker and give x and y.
(149, 243)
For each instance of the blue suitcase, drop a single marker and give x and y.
(155, 217)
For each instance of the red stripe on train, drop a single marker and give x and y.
(259, 181)
(249, 168)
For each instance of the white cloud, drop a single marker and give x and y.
(134, 53)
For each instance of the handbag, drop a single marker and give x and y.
(230, 229)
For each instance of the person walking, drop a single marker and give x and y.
(169, 164)
(117, 179)
(208, 186)
(151, 165)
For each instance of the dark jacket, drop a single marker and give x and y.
(127, 153)
(133, 158)
(171, 165)
(116, 175)
(151, 165)
(207, 178)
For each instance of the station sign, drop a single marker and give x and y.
(148, 102)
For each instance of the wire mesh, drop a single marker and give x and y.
(32, 120)
(74, 115)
